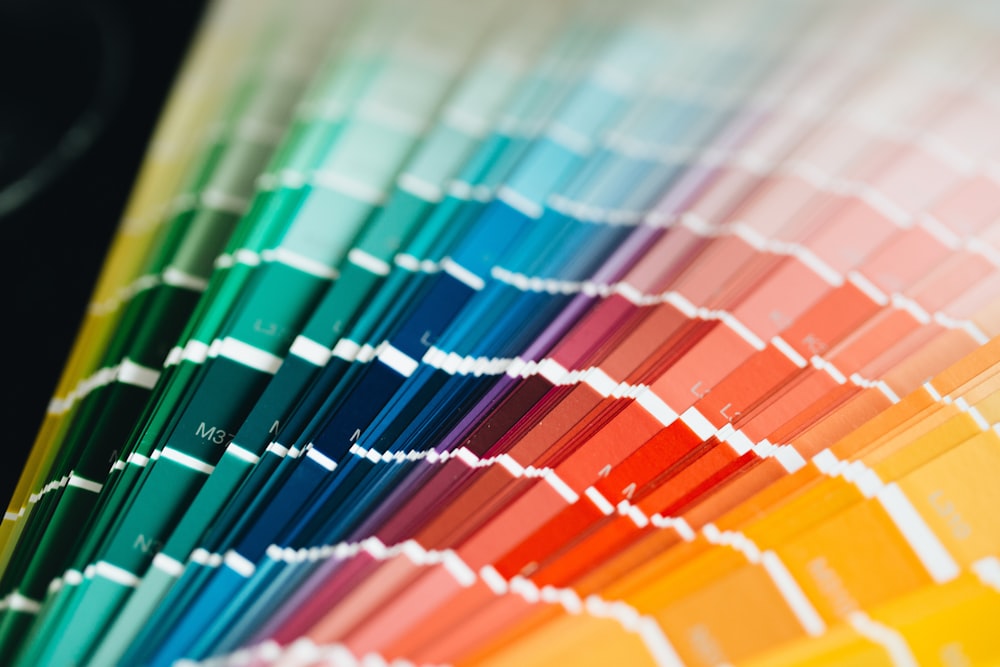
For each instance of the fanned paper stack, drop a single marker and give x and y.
(535, 333)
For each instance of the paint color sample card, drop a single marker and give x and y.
(513, 333)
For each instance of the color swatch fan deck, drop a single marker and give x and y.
(538, 333)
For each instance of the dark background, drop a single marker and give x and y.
(81, 87)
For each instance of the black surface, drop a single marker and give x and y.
(81, 87)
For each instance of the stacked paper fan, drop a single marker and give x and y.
(535, 333)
